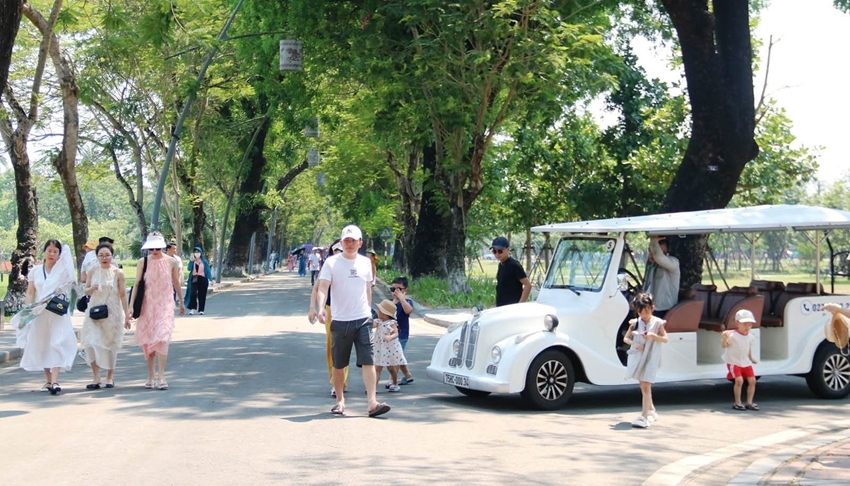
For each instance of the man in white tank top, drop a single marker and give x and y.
(349, 277)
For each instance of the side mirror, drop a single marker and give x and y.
(622, 282)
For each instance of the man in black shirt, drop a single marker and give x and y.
(512, 284)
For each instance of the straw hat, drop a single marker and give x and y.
(386, 307)
(155, 240)
(837, 330)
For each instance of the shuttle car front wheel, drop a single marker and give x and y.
(549, 382)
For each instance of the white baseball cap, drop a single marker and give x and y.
(351, 231)
(744, 315)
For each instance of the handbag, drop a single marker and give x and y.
(140, 292)
(99, 312)
(83, 303)
(58, 305)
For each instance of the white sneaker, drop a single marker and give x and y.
(333, 393)
(652, 417)
(201, 313)
(191, 312)
(394, 388)
(640, 422)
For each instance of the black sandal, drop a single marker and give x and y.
(93, 386)
(55, 388)
(738, 407)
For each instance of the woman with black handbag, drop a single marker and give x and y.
(155, 323)
(48, 339)
(106, 317)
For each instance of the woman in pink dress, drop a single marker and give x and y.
(156, 321)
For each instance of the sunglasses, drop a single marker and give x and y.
(498, 251)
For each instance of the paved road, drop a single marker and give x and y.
(249, 404)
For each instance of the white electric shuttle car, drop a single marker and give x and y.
(573, 331)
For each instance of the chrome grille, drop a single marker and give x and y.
(470, 347)
(492, 369)
(457, 361)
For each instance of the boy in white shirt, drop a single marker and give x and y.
(738, 355)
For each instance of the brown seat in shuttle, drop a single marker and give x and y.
(776, 315)
(730, 302)
(685, 316)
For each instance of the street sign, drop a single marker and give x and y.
(313, 158)
(386, 234)
(291, 55)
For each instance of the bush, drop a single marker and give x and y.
(434, 292)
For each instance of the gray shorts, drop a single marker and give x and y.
(344, 334)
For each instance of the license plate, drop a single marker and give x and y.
(456, 380)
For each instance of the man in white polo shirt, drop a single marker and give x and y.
(349, 277)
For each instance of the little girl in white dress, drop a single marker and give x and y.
(645, 335)
(386, 348)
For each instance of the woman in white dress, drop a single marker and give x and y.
(48, 340)
(102, 338)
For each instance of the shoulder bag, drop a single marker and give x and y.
(99, 312)
(140, 292)
(83, 303)
(59, 303)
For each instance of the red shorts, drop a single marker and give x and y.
(736, 371)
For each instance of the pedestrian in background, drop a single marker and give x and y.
(386, 348)
(302, 263)
(404, 307)
(348, 276)
(313, 264)
(644, 356)
(512, 284)
(48, 340)
(335, 249)
(156, 321)
(102, 338)
(373, 256)
(89, 260)
(738, 355)
(198, 283)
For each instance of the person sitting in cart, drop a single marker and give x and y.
(512, 284)
(662, 276)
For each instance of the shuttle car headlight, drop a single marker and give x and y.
(496, 354)
(455, 347)
(550, 322)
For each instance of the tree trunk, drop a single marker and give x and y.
(248, 216)
(717, 57)
(411, 197)
(23, 257)
(428, 253)
(10, 20)
(65, 160)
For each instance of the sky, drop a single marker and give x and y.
(808, 75)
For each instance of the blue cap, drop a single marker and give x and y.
(500, 243)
